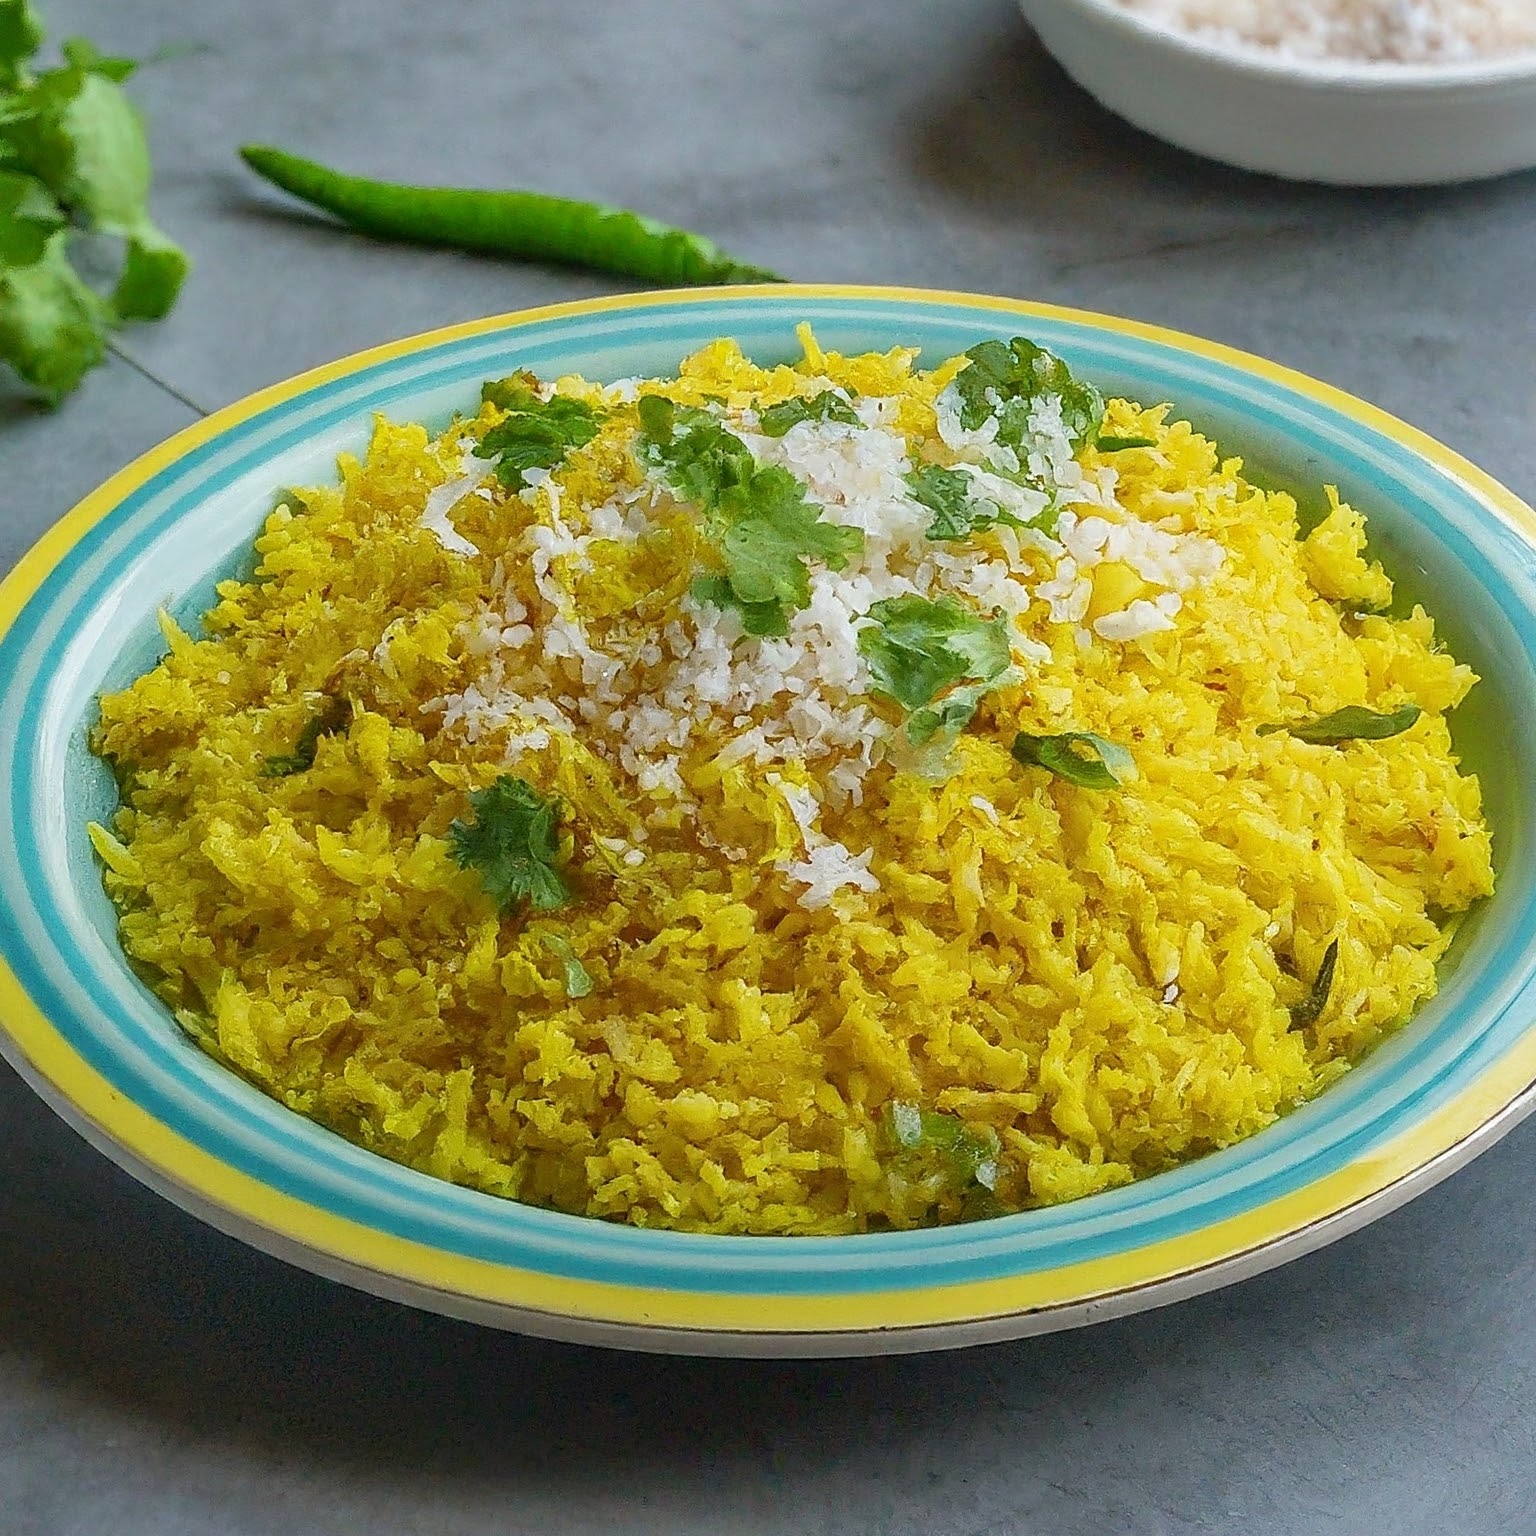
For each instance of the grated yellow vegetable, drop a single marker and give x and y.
(1103, 979)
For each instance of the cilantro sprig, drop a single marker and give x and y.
(535, 433)
(919, 649)
(956, 514)
(513, 841)
(1006, 380)
(776, 420)
(763, 529)
(73, 158)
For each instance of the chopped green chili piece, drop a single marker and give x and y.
(972, 1155)
(1109, 444)
(1079, 757)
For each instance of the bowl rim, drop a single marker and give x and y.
(702, 1320)
(1363, 76)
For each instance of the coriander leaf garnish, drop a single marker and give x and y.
(943, 722)
(1107, 444)
(972, 1156)
(700, 459)
(73, 156)
(29, 216)
(535, 433)
(53, 326)
(1006, 379)
(514, 842)
(21, 35)
(761, 619)
(334, 716)
(578, 982)
(947, 494)
(763, 529)
(1310, 1009)
(511, 392)
(776, 420)
(769, 536)
(1352, 723)
(919, 647)
(1079, 757)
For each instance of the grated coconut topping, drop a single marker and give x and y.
(802, 700)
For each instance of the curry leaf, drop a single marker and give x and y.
(1310, 1010)
(1079, 757)
(1352, 723)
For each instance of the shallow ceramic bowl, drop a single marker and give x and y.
(77, 616)
(1351, 124)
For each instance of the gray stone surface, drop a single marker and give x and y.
(158, 1378)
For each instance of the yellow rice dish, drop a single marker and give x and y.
(807, 799)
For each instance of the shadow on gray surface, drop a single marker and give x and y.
(1012, 138)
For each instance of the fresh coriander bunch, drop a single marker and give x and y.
(73, 158)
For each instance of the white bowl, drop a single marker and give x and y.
(1332, 121)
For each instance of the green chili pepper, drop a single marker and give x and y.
(531, 225)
